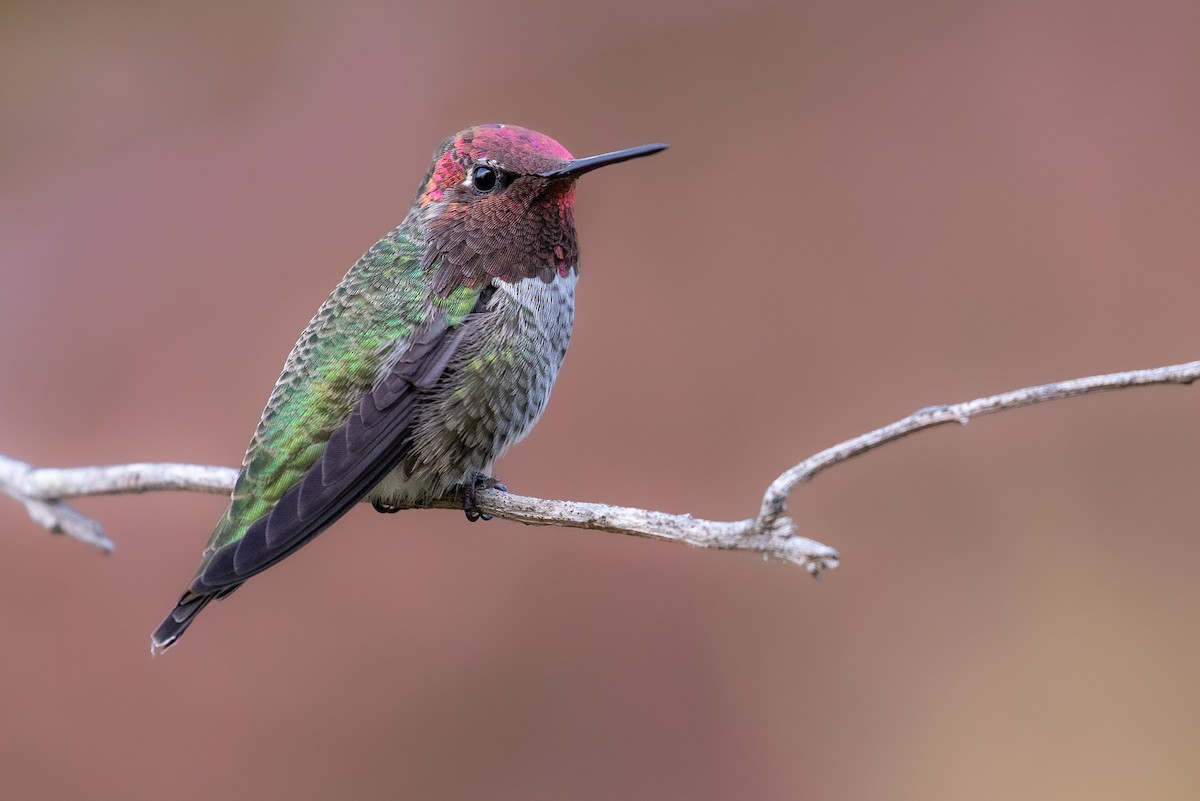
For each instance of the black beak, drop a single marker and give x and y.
(573, 169)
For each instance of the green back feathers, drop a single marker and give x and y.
(336, 360)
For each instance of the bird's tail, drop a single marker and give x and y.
(177, 622)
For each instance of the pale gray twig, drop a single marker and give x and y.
(772, 533)
(38, 487)
(775, 501)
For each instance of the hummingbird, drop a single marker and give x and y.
(435, 353)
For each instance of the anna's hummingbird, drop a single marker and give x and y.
(435, 353)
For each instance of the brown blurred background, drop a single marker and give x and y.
(867, 207)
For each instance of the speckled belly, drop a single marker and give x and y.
(493, 391)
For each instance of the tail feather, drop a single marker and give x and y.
(177, 622)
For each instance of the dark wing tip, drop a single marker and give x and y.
(177, 622)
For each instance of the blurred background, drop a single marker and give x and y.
(868, 207)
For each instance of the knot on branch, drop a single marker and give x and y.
(782, 543)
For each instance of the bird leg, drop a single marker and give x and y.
(470, 487)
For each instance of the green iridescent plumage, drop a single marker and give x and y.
(379, 302)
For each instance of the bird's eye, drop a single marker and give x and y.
(484, 178)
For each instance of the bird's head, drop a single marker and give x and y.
(498, 202)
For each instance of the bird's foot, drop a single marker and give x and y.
(384, 508)
(476, 483)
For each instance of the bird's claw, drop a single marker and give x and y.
(470, 488)
(384, 508)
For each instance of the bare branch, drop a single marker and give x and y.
(46, 486)
(16, 480)
(775, 501)
(771, 533)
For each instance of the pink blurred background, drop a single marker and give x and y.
(867, 207)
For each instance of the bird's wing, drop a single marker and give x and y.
(356, 457)
(337, 419)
